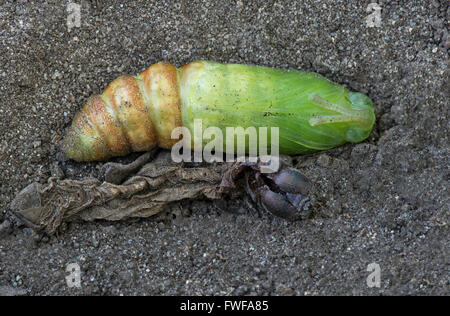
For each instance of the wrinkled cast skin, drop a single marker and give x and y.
(143, 189)
(138, 113)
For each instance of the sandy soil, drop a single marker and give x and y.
(384, 201)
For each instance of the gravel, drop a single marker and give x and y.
(384, 201)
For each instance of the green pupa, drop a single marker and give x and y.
(138, 113)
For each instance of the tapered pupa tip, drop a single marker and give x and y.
(83, 143)
(73, 147)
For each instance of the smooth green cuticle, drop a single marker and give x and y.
(312, 113)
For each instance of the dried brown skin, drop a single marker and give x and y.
(45, 207)
(157, 184)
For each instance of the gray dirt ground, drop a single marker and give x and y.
(384, 201)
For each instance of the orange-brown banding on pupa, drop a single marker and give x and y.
(163, 96)
(107, 125)
(127, 103)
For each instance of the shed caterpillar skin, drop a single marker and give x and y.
(138, 113)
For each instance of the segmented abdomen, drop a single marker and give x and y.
(134, 113)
